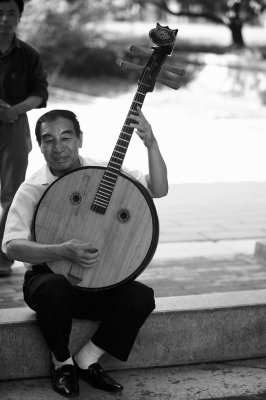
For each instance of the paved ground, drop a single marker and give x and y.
(220, 381)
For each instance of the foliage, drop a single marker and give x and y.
(58, 30)
(231, 13)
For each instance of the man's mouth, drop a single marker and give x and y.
(60, 158)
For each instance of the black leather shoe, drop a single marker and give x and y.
(65, 380)
(96, 376)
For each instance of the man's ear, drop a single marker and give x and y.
(40, 147)
(80, 139)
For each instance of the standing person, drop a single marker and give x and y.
(122, 310)
(23, 86)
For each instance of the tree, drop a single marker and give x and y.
(234, 14)
(58, 29)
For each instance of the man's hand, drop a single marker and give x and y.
(8, 114)
(143, 128)
(80, 253)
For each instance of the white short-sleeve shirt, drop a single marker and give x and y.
(19, 224)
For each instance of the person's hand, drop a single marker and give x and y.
(143, 128)
(8, 113)
(80, 253)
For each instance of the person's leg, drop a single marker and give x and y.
(51, 297)
(126, 309)
(13, 166)
(122, 311)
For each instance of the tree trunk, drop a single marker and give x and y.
(237, 36)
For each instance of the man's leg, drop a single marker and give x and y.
(122, 311)
(128, 308)
(13, 166)
(51, 297)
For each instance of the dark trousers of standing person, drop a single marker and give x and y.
(121, 310)
(15, 145)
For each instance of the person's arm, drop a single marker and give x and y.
(34, 253)
(36, 93)
(157, 178)
(11, 113)
(18, 243)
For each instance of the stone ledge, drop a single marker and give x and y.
(260, 251)
(182, 330)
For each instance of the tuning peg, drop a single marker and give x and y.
(177, 71)
(128, 65)
(139, 51)
(167, 82)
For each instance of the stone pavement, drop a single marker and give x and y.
(239, 380)
(207, 242)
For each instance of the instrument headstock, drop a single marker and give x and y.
(164, 40)
(163, 37)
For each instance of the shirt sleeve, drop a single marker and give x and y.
(20, 215)
(37, 79)
(138, 175)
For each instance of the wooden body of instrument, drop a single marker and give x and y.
(126, 235)
(104, 207)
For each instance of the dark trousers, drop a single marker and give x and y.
(121, 310)
(14, 148)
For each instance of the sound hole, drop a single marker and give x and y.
(123, 215)
(76, 198)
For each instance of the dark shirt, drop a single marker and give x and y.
(22, 74)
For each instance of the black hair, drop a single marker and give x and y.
(20, 4)
(51, 116)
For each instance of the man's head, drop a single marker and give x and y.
(10, 13)
(59, 136)
(20, 4)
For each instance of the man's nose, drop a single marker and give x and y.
(58, 147)
(3, 18)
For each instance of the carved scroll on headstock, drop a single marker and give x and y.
(164, 40)
(163, 36)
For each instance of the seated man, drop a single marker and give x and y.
(123, 309)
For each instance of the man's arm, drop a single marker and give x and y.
(157, 178)
(34, 253)
(11, 113)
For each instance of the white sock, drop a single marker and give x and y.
(58, 364)
(88, 354)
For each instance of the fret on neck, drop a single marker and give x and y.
(106, 187)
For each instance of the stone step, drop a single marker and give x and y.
(182, 330)
(216, 381)
(260, 251)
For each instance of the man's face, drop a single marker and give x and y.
(60, 145)
(9, 18)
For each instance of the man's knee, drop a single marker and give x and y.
(55, 290)
(144, 300)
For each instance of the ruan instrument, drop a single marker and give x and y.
(103, 206)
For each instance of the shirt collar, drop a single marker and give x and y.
(15, 43)
(47, 177)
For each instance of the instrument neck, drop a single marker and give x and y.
(118, 155)
(105, 190)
